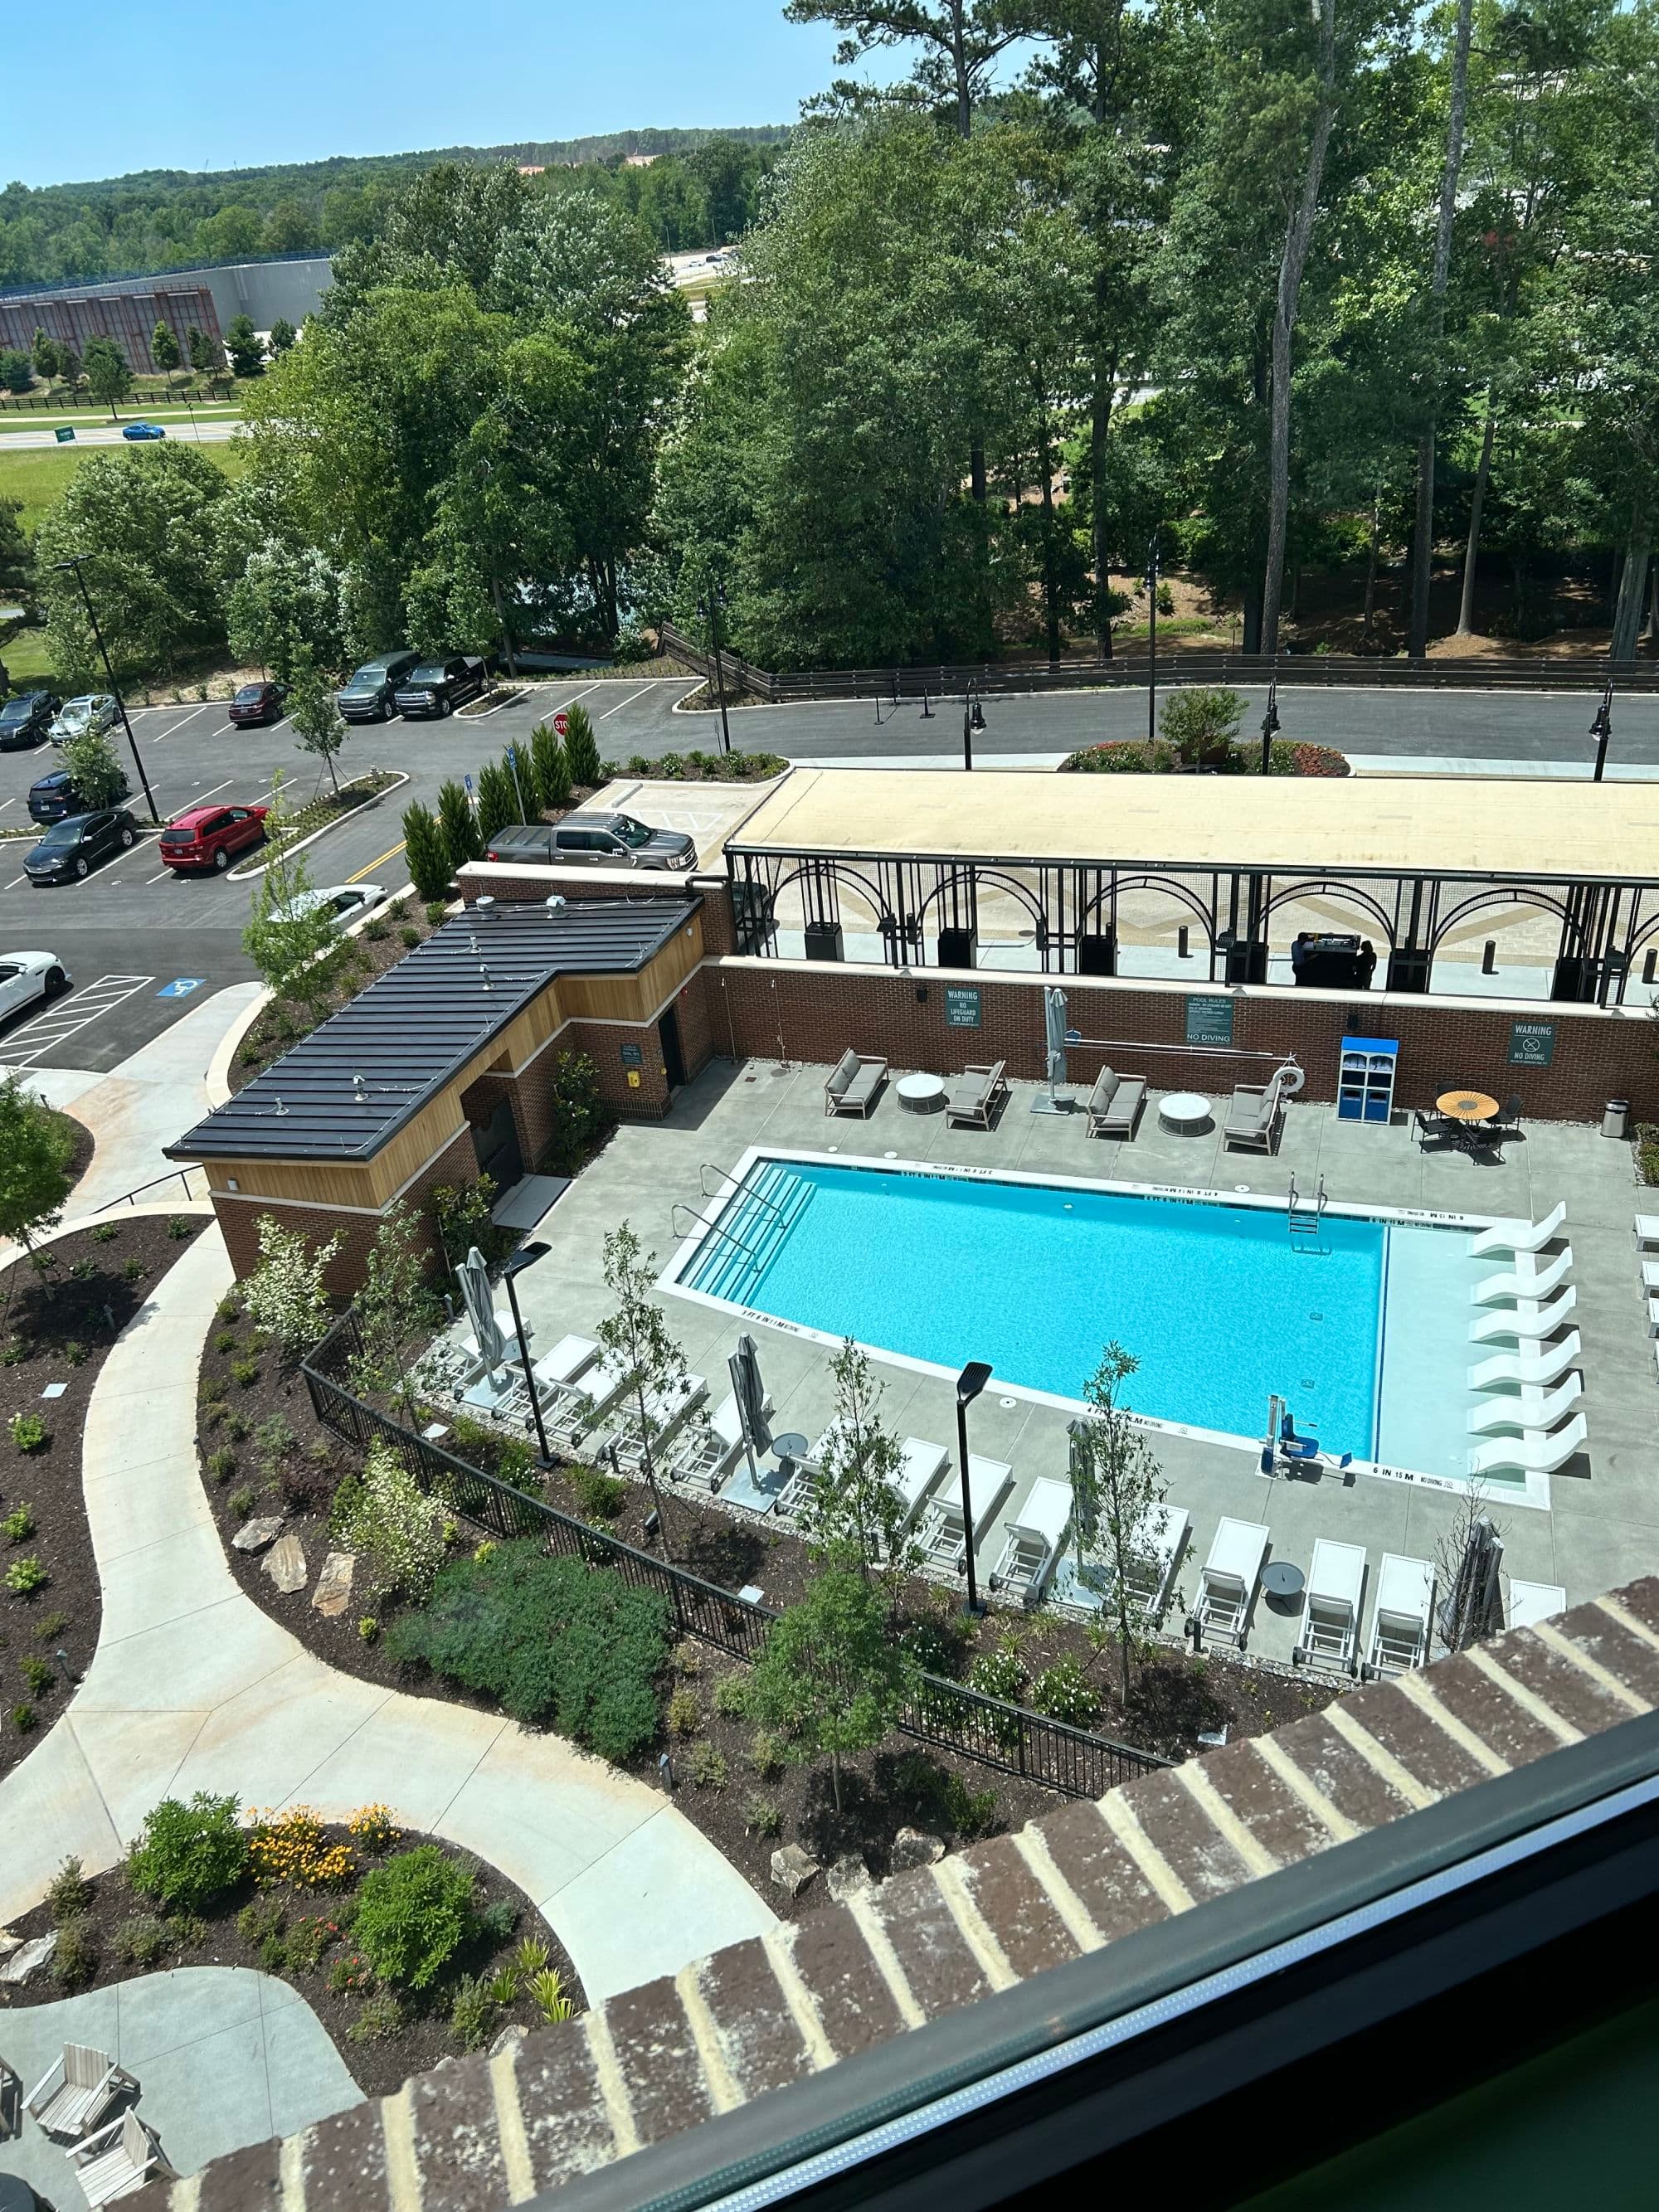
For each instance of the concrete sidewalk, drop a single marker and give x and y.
(193, 1687)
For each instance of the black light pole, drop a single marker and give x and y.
(709, 609)
(973, 718)
(526, 1256)
(1602, 729)
(73, 562)
(971, 1380)
(1270, 724)
(1151, 670)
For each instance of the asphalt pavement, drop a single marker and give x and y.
(204, 432)
(133, 931)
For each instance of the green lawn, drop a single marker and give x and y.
(25, 657)
(37, 477)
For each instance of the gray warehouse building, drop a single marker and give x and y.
(128, 308)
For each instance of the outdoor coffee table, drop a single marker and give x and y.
(1185, 1111)
(921, 1094)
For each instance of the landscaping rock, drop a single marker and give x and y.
(333, 1592)
(285, 1564)
(848, 1877)
(514, 2032)
(254, 1535)
(8, 1942)
(28, 1960)
(793, 1869)
(914, 1847)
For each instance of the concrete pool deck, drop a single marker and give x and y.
(1603, 1525)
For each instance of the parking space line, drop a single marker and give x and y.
(69, 1017)
(174, 729)
(621, 704)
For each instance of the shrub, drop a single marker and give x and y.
(684, 1713)
(75, 1353)
(471, 2012)
(1065, 1692)
(765, 1753)
(187, 1930)
(211, 1390)
(309, 1937)
(731, 1696)
(553, 2001)
(999, 1673)
(79, 1271)
(393, 1527)
(600, 1495)
(222, 1464)
(257, 1922)
(497, 1921)
(378, 2017)
(19, 1524)
(225, 1339)
(408, 937)
(240, 1502)
(106, 1233)
(686, 1658)
(245, 1373)
(38, 1677)
(26, 1576)
(580, 1115)
(290, 1847)
(435, 911)
(23, 1718)
(179, 1227)
(581, 750)
(762, 1815)
(273, 1440)
(559, 1642)
(51, 1625)
(941, 1799)
(706, 1767)
(189, 1854)
(74, 1960)
(413, 1914)
(368, 1628)
(373, 1828)
(503, 1984)
(69, 1893)
(285, 1295)
(142, 1940)
(133, 1269)
(351, 1973)
(29, 1432)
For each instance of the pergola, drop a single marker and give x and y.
(913, 860)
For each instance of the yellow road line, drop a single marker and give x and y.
(388, 855)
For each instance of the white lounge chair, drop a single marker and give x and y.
(1534, 1601)
(1529, 1408)
(1519, 1236)
(119, 2161)
(919, 1469)
(75, 2092)
(1331, 1602)
(588, 1398)
(1647, 1228)
(1531, 1363)
(665, 1411)
(1159, 1539)
(567, 1360)
(704, 1455)
(1399, 1623)
(1533, 1452)
(941, 1532)
(1529, 1318)
(1227, 1585)
(1033, 1539)
(1650, 1275)
(1529, 1279)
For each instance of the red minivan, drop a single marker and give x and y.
(205, 838)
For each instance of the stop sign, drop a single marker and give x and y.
(561, 723)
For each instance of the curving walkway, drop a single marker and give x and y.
(193, 1687)
(271, 2063)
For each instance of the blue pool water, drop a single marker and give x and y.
(1215, 1302)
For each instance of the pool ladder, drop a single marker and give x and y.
(1305, 1221)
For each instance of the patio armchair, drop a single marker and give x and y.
(119, 2162)
(1114, 1103)
(75, 2092)
(974, 1097)
(1252, 1118)
(854, 1081)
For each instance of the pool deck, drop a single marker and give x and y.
(1602, 1524)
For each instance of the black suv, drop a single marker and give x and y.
(25, 721)
(372, 694)
(438, 687)
(72, 847)
(55, 796)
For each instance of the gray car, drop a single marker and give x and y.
(595, 840)
(371, 695)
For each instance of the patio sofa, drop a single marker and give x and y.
(1114, 1103)
(854, 1081)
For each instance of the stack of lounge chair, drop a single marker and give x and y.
(1531, 1390)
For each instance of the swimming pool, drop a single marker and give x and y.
(1222, 1306)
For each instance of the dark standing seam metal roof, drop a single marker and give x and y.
(346, 1090)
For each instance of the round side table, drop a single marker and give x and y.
(921, 1094)
(1185, 1112)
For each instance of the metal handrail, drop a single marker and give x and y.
(726, 1175)
(714, 1227)
(178, 1175)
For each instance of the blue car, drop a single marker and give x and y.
(143, 430)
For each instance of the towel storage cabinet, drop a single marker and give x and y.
(1366, 1079)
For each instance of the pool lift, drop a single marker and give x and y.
(1283, 1448)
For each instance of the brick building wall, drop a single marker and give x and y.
(129, 317)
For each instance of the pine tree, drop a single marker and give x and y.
(424, 850)
(203, 354)
(582, 749)
(498, 803)
(457, 825)
(282, 335)
(552, 769)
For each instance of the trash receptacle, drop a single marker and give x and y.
(1615, 1114)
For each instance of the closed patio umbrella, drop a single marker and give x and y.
(1054, 1025)
(1472, 1607)
(1085, 1495)
(748, 1390)
(480, 1311)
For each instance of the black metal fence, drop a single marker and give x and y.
(1026, 674)
(945, 1713)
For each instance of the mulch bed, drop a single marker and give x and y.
(339, 976)
(903, 1784)
(59, 1328)
(381, 2065)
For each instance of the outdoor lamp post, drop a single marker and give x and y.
(973, 718)
(1151, 639)
(971, 1380)
(1602, 729)
(709, 608)
(73, 562)
(526, 1256)
(1270, 724)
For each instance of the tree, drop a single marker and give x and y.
(425, 852)
(165, 349)
(34, 1155)
(393, 1306)
(1116, 1482)
(282, 335)
(830, 1680)
(16, 554)
(319, 726)
(640, 1347)
(552, 768)
(457, 825)
(284, 1295)
(852, 1503)
(43, 352)
(243, 344)
(582, 749)
(290, 227)
(498, 803)
(108, 377)
(202, 351)
(68, 363)
(285, 932)
(98, 775)
(289, 603)
(1423, 533)
(1197, 721)
(16, 370)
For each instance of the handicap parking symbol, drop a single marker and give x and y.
(181, 986)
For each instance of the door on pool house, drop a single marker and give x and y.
(668, 1031)
(496, 1144)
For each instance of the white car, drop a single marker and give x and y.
(28, 977)
(97, 710)
(345, 902)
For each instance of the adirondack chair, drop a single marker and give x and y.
(119, 2161)
(76, 2091)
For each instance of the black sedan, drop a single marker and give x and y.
(258, 703)
(55, 796)
(438, 687)
(74, 847)
(25, 721)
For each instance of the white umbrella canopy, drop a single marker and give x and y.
(480, 1298)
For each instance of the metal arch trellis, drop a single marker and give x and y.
(1337, 887)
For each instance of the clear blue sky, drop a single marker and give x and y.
(102, 91)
